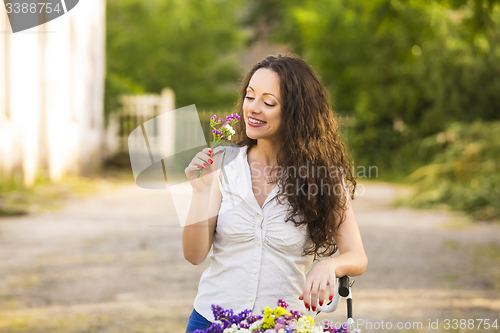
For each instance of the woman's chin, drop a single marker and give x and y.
(251, 135)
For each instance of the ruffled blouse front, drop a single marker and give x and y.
(257, 257)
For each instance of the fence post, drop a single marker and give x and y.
(166, 124)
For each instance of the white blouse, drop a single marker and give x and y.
(256, 258)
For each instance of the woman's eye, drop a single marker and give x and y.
(250, 98)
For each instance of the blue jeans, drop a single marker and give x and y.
(197, 322)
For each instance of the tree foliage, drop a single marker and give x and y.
(185, 45)
(405, 68)
(464, 174)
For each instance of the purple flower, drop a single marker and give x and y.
(253, 318)
(244, 315)
(282, 303)
(215, 328)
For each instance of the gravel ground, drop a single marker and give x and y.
(113, 263)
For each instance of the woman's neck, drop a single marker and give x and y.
(264, 152)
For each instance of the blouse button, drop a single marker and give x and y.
(258, 243)
(261, 217)
(251, 299)
(255, 271)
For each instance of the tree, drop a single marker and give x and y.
(406, 69)
(186, 45)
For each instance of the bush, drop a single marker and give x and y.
(465, 174)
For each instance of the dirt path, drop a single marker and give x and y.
(114, 263)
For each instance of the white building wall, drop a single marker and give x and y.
(53, 123)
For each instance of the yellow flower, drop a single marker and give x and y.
(268, 321)
(280, 311)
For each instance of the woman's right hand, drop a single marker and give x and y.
(202, 160)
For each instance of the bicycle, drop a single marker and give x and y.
(343, 290)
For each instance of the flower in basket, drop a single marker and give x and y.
(277, 320)
(222, 131)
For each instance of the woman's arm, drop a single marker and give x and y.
(352, 259)
(201, 221)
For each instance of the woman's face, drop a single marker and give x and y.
(262, 103)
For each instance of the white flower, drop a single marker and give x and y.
(230, 129)
(254, 326)
(231, 329)
(317, 330)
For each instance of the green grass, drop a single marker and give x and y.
(46, 196)
(487, 262)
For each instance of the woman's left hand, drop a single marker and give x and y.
(322, 275)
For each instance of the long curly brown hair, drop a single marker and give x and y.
(309, 138)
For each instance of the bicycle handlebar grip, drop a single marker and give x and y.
(344, 286)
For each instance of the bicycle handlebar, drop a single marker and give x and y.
(342, 290)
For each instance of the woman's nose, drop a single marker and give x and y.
(253, 107)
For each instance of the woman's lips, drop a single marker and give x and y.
(255, 125)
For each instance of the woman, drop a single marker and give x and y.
(277, 202)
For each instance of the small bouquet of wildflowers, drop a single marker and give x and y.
(277, 320)
(222, 131)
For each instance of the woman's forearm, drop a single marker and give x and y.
(195, 237)
(351, 263)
